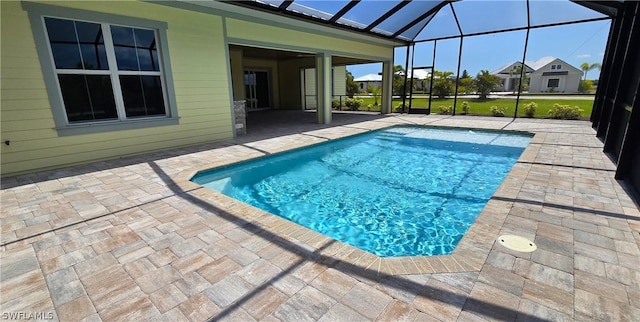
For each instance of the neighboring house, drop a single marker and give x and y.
(374, 80)
(85, 81)
(509, 75)
(547, 74)
(421, 80)
(553, 75)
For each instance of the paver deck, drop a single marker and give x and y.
(133, 239)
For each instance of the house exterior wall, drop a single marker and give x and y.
(535, 83)
(255, 34)
(200, 80)
(572, 82)
(566, 83)
(365, 85)
(200, 64)
(509, 76)
(237, 72)
(505, 82)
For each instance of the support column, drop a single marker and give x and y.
(387, 87)
(323, 87)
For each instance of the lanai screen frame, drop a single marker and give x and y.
(608, 9)
(281, 7)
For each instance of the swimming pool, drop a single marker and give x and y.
(400, 191)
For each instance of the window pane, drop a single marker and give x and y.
(69, 39)
(125, 48)
(60, 30)
(142, 95)
(135, 48)
(87, 97)
(94, 56)
(145, 38)
(92, 45)
(66, 56)
(64, 44)
(147, 52)
(122, 36)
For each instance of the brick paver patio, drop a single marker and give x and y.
(133, 239)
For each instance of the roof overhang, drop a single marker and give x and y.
(239, 10)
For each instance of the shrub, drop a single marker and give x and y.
(530, 109)
(445, 109)
(498, 111)
(565, 112)
(585, 86)
(353, 104)
(335, 103)
(465, 107)
(443, 85)
(399, 108)
(442, 88)
(369, 106)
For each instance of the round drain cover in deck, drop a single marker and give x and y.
(517, 243)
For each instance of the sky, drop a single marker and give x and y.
(574, 44)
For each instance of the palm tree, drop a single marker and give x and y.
(375, 91)
(485, 83)
(586, 67)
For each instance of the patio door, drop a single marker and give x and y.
(257, 89)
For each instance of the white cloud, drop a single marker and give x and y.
(584, 56)
(601, 54)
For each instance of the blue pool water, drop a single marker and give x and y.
(401, 191)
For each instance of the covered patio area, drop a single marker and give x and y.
(133, 239)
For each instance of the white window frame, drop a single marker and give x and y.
(37, 13)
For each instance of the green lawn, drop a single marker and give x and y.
(483, 107)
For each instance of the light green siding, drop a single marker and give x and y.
(237, 68)
(198, 60)
(246, 32)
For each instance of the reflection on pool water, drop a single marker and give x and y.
(401, 191)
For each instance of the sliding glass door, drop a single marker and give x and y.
(257, 91)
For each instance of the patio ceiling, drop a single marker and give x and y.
(423, 20)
